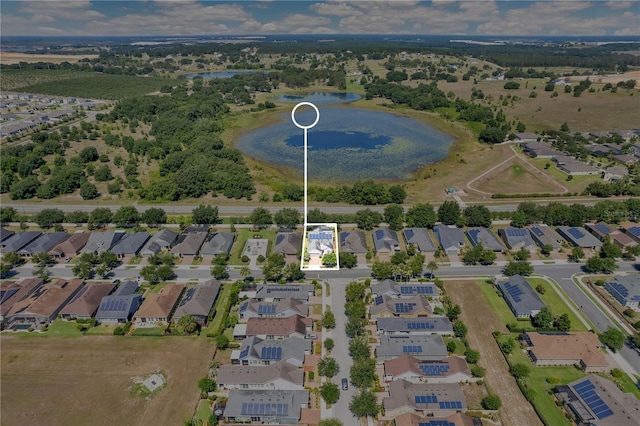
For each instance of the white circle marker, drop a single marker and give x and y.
(293, 115)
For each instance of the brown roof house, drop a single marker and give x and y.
(440, 399)
(268, 328)
(71, 246)
(189, 244)
(415, 306)
(198, 301)
(452, 369)
(557, 348)
(12, 292)
(85, 303)
(457, 419)
(156, 309)
(282, 308)
(43, 305)
(280, 375)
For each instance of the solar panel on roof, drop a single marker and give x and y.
(425, 290)
(516, 232)
(409, 234)
(635, 231)
(445, 405)
(279, 238)
(406, 290)
(410, 349)
(271, 353)
(267, 309)
(437, 423)
(433, 369)
(244, 352)
(603, 228)
(587, 392)
(425, 399)
(420, 325)
(514, 291)
(576, 233)
(537, 231)
(379, 300)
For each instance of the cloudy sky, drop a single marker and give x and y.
(192, 17)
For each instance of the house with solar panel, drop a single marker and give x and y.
(130, 244)
(198, 300)
(119, 306)
(603, 230)
(280, 309)
(5, 234)
(43, 244)
(414, 326)
(161, 240)
(626, 290)
(385, 240)
(594, 400)
(452, 369)
(486, 237)
(420, 238)
(545, 235)
(566, 348)
(456, 419)
(281, 376)
(353, 241)
(259, 351)
(86, 302)
(414, 306)
(274, 328)
(321, 241)
(633, 232)
(579, 237)
(282, 407)
(423, 347)
(218, 243)
(409, 289)
(517, 239)
(450, 238)
(521, 298)
(19, 240)
(277, 292)
(436, 399)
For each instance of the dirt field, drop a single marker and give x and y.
(87, 380)
(10, 58)
(481, 322)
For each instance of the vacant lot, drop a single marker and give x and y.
(88, 380)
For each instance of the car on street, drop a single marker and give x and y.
(345, 384)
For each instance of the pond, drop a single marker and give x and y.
(222, 74)
(320, 98)
(349, 144)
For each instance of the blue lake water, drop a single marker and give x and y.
(222, 74)
(320, 98)
(349, 144)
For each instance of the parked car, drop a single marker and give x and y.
(67, 259)
(345, 384)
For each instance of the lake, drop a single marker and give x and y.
(320, 98)
(349, 144)
(222, 74)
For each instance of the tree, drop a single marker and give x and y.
(421, 216)
(8, 214)
(220, 272)
(449, 213)
(82, 270)
(287, 218)
(77, 216)
(206, 384)
(522, 254)
(520, 370)
(155, 274)
(367, 219)
(348, 260)
(12, 258)
(126, 215)
(154, 216)
(362, 373)
(292, 192)
(359, 348)
(491, 402)
(492, 135)
(610, 250)
(42, 259)
(108, 259)
(89, 191)
(245, 272)
(397, 194)
(46, 218)
(260, 217)
(328, 367)
(518, 267)
(382, 270)
(543, 319)
(205, 215)
(89, 154)
(330, 392)
(451, 346)
(598, 264)
(394, 216)
(188, 324)
(222, 341)
(432, 267)
(364, 404)
(459, 329)
(546, 249)
(103, 174)
(508, 345)
(328, 319)
(472, 356)
(613, 338)
(477, 215)
(328, 343)
(562, 323)
(100, 217)
(330, 259)
(576, 254)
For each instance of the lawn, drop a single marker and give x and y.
(494, 297)
(556, 304)
(241, 239)
(62, 328)
(221, 309)
(577, 184)
(154, 331)
(460, 347)
(204, 411)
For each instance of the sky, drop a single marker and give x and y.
(193, 17)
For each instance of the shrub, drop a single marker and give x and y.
(312, 375)
(477, 371)
(491, 402)
(260, 259)
(245, 258)
(552, 380)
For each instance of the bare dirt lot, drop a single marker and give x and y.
(10, 58)
(88, 380)
(481, 322)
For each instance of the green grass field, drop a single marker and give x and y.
(155, 331)
(497, 303)
(242, 236)
(221, 309)
(556, 304)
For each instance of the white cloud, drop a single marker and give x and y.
(617, 4)
(335, 9)
(71, 10)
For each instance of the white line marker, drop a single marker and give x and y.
(305, 128)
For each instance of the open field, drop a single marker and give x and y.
(88, 380)
(10, 58)
(557, 305)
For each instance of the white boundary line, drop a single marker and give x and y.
(305, 128)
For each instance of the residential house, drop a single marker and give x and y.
(353, 242)
(523, 300)
(189, 244)
(451, 238)
(130, 244)
(218, 243)
(13, 293)
(626, 160)
(119, 306)
(598, 150)
(544, 235)
(614, 174)
(626, 290)
(86, 301)
(258, 351)
(451, 369)
(282, 407)
(321, 241)
(633, 232)
(99, 242)
(161, 240)
(156, 309)
(635, 150)
(437, 399)
(409, 307)
(409, 289)
(276, 292)
(42, 305)
(414, 326)
(280, 309)
(456, 419)
(288, 244)
(71, 246)
(560, 348)
(281, 376)
(517, 239)
(579, 237)
(385, 240)
(594, 400)
(423, 347)
(420, 238)
(486, 237)
(540, 150)
(603, 230)
(43, 244)
(571, 166)
(527, 138)
(5, 234)
(275, 328)
(197, 301)
(19, 240)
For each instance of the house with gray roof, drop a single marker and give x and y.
(579, 237)
(353, 242)
(420, 238)
(288, 243)
(161, 240)
(486, 237)
(197, 301)
(626, 290)
(19, 240)
(280, 309)
(281, 407)
(571, 166)
(44, 243)
(130, 244)
(425, 347)
(86, 302)
(413, 306)
(386, 240)
(521, 298)
(450, 238)
(281, 376)
(540, 150)
(102, 241)
(120, 306)
(189, 244)
(5, 234)
(405, 289)
(218, 243)
(436, 399)
(517, 239)
(414, 326)
(276, 292)
(633, 232)
(452, 369)
(545, 235)
(260, 351)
